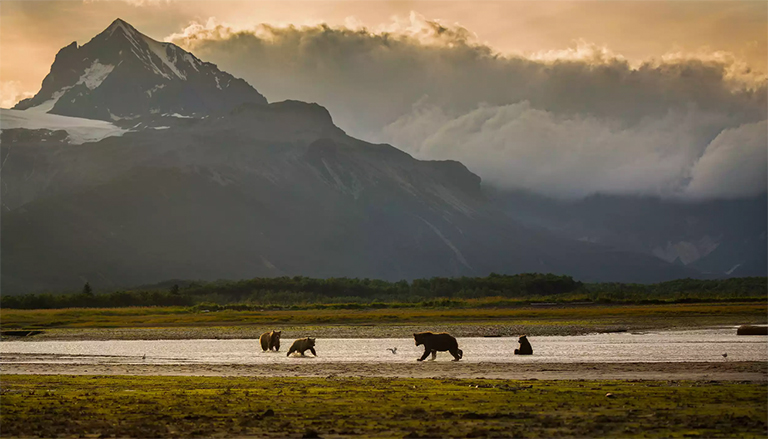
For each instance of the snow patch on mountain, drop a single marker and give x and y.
(79, 130)
(192, 60)
(48, 105)
(95, 75)
(161, 51)
(687, 251)
(154, 89)
(733, 269)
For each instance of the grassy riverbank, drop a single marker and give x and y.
(180, 323)
(124, 406)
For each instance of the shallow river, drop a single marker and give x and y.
(665, 346)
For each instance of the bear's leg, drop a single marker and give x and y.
(313, 351)
(426, 354)
(434, 355)
(289, 353)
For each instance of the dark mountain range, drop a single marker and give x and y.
(716, 237)
(245, 188)
(123, 74)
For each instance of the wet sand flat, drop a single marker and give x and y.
(752, 371)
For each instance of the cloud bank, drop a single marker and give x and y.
(12, 92)
(566, 123)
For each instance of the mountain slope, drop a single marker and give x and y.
(225, 198)
(123, 74)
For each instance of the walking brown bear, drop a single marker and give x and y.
(525, 346)
(438, 342)
(301, 345)
(270, 340)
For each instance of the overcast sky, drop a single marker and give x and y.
(562, 98)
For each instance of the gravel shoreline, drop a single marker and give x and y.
(748, 371)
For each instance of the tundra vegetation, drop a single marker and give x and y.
(132, 406)
(351, 293)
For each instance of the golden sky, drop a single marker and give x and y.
(31, 32)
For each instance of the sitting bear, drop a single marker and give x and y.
(525, 346)
(302, 345)
(438, 342)
(270, 340)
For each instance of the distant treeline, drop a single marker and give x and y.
(282, 292)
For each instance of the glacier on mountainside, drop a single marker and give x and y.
(80, 130)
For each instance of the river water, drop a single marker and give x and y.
(702, 345)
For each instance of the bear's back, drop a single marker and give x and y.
(302, 344)
(441, 341)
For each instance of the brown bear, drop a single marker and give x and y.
(270, 340)
(525, 346)
(438, 342)
(301, 345)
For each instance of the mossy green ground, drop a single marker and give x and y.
(659, 315)
(124, 406)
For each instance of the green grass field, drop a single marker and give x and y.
(123, 406)
(664, 315)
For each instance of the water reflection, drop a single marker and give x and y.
(666, 346)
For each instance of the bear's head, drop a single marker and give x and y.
(310, 341)
(419, 338)
(522, 339)
(276, 335)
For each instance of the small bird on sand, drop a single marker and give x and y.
(144, 357)
(393, 350)
(725, 355)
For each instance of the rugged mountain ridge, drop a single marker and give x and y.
(254, 190)
(123, 74)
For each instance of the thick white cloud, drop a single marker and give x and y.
(734, 164)
(564, 122)
(517, 146)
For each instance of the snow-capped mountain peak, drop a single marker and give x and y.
(123, 74)
(165, 59)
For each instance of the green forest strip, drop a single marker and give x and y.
(344, 293)
(125, 406)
